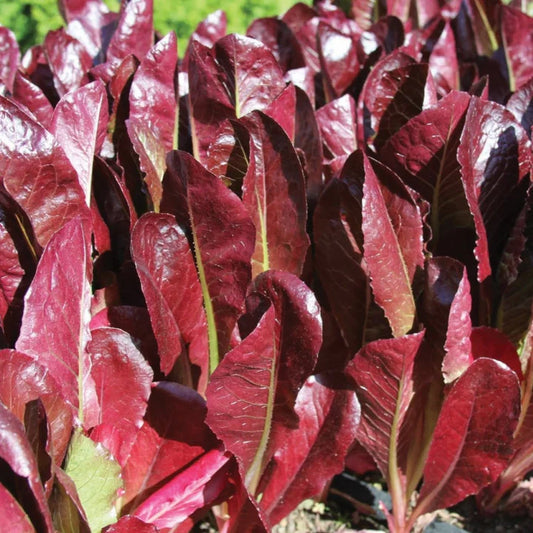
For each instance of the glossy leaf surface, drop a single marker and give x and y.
(59, 300)
(253, 390)
(172, 290)
(274, 195)
(471, 445)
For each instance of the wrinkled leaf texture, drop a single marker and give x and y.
(252, 392)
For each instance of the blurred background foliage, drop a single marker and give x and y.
(30, 20)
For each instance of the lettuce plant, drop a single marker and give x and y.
(228, 269)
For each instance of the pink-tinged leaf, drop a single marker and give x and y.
(393, 93)
(308, 143)
(89, 22)
(223, 84)
(246, 64)
(308, 457)
(211, 29)
(152, 123)
(303, 21)
(24, 380)
(222, 257)
(134, 33)
(79, 125)
(443, 62)
(128, 524)
(122, 380)
(338, 59)
(338, 241)
(446, 315)
(173, 436)
(33, 98)
(12, 513)
(11, 274)
(228, 155)
(383, 374)
(391, 223)
(173, 294)
(37, 174)
(252, 392)
(520, 104)
(472, 442)
(283, 110)
(493, 170)
(55, 324)
(196, 487)
(424, 154)
(276, 34)
(491, 343)
(9, 57)
(209, 103)
(274, 195)
(68, 61)
(336, 121)
(16, 451)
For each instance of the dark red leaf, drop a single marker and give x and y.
(443, 62)
(24, 380)
(308, 457)
(173, 293)
(276, 34)
(393, 93)
(211, 29)
(274, 195)
(307, 140)
(128, 524)
(493, 170)
(252, 392)
(10, 57)
(445, 312)
(196, 487)
(122, 381)
(383, 373)
(223, 84)
(392, 233)
(79, 125)
(472, 442)
(68, 61)
(521, 106)
(424, 153)
(31, 96)
(338, 59)
(222, 257)
(134, 32)
(152, 123)
(58, 300)
(16, 451)
(11, 273)
(12, 513)
(303, 21)
(89, 21)
(172, 436)
(37, 174)
(336, 121)
(491, 343)
(283, 110)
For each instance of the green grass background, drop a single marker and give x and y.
(30, 20)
